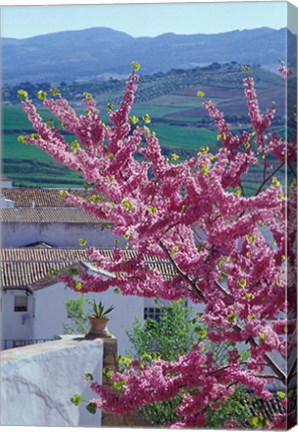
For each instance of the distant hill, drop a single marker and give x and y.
(100, 53)
(225, 80)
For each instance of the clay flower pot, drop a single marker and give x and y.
(99, 327)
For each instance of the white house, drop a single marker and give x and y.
(31, 215)
(33, 304)
(5, 182)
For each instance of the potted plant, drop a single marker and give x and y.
(99, 319)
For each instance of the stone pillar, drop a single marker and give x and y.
(110, 361)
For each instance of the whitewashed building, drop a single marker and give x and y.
(31, 215)
(33, 304)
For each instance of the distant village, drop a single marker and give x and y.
(41, 233)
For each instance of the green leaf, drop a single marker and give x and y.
(52, 273)
(281, 395)
(118, 385)
(91, 407)
(73, 271)
(78, 285)
(76, 399)
(116, 291)
(88, 377)
(83, 242)
(107, 372)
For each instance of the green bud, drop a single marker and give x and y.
(75, 146)
(22, 139)
(262, 336)
(22, 94)
(95, 198)
(41, 95)
(87, 95)
(242, 283)
(175, 157)
(127, 204)
(204, 169)
(55, 92)
(135, 66)
(250, 239)
(78, 285)
(133, 119)
(231, 316)
(146, 118)
(62, 193)
(152, 209)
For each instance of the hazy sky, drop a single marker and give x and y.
(143, 19)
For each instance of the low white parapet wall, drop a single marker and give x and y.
(37, 382)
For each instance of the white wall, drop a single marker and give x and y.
(50, 312)
(38, 381)
(18, 234)
(5, 184)
(16, 325)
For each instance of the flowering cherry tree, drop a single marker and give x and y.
(229, 252)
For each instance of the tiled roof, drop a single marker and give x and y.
(29, 267)
(47, 215)
(24, 197)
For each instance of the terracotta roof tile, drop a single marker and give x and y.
(24, 196)
(29, 267)
(47, 215)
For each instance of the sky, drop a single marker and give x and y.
(141, 19)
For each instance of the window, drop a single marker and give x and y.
(20, 303)
(153, 313)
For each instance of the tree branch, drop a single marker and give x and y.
(184, 276)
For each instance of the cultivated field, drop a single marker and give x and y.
(180, 121)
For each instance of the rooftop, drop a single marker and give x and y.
(29, 267)
(24, 196)
(47, 215)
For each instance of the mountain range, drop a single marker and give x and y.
(100, 53)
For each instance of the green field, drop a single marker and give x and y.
(29, 166)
